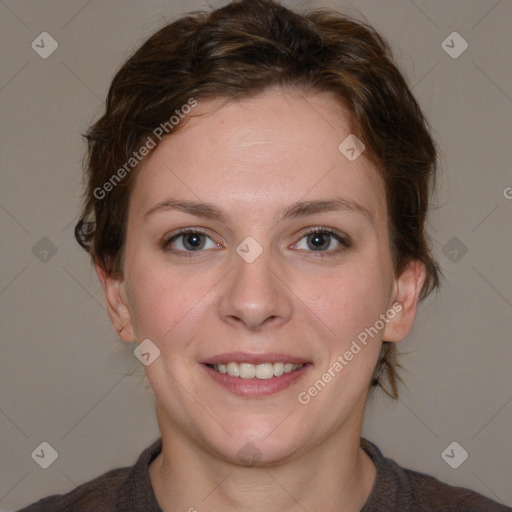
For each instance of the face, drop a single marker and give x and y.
(288, 264)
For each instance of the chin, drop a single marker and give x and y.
(251, 445)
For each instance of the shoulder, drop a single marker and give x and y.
(398, 488)
(127, 488)
(99, 494)
(426, 490)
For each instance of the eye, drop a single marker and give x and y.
(319, 240)
(189, 240)
(322, 240)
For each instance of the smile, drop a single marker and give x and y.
(256, 376)
(255, 371)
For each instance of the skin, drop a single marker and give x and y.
(254, 158)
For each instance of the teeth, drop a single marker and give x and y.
(247, 371)
(260, 371)
(264, 371)
(278, 369)
(234, 369)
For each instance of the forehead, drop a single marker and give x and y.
(259, 156)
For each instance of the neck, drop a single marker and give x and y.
(335, 476)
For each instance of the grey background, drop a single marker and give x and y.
(61, 368)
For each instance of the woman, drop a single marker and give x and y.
(255, 209)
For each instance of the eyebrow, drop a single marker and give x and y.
(294, 211)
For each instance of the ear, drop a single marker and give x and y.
(406, 294)
(117, 304)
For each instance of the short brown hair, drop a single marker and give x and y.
(241, 50)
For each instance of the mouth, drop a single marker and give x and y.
(260, 371)
(256, 375)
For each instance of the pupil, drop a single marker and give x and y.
(318, 238)
(196, 241)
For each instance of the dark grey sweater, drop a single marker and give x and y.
(395, 489)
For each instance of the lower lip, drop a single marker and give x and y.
(256, 387)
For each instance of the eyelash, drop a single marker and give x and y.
(342, 239)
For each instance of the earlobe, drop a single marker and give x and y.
(406, 297)
(117, 305)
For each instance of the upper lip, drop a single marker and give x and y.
(244, 357)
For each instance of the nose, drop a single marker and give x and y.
(255, 296)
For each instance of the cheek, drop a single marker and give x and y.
(164, 301)
(348, 301)
(154, 305)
